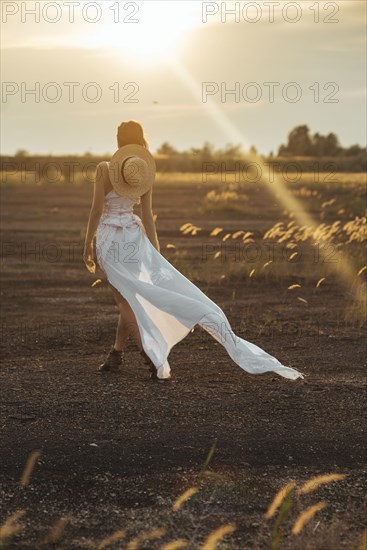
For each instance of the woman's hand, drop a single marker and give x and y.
(88, 257)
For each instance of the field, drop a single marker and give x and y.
(115, 452)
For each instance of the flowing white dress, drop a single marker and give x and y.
(166, 304)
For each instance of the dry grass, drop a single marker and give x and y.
(290, 522)
(331, 252)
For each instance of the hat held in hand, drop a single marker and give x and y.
(132, 170)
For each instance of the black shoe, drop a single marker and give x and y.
(149, 362)
(152, 368)
(112, 362)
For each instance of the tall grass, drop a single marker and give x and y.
(290, 519)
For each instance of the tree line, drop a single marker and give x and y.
(300, 144)
(302, 149)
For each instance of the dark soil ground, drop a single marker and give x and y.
(117, 450)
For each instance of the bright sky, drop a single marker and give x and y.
(95, 64)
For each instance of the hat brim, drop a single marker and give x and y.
(118, 183)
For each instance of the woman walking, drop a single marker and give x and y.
(157, 304)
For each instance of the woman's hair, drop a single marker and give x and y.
(131, 132)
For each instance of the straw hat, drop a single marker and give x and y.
(132, 170)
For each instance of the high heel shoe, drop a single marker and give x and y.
(112, 362)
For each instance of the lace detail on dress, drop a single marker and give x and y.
(117, 213)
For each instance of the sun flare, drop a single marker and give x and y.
(151, 34)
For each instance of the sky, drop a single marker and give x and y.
(172, 65)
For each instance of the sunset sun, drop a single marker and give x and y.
(153, 34)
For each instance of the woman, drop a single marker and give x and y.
(157, 304)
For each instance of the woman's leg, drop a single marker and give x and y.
(122, 334)
(127, 323)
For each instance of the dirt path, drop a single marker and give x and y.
(117, 450)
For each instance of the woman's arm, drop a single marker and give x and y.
(94, 217)
(147, 218)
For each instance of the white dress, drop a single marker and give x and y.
(166, 304)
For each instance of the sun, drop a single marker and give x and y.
(153, 33)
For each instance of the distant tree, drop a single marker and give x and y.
(354, 150)
(283, 151)
(325, 146)
(231, 150)
(299, 143)
(166, 149)
(21, 153)
(333, 147)
(207, 151)
(252, 150)
(318, 145)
